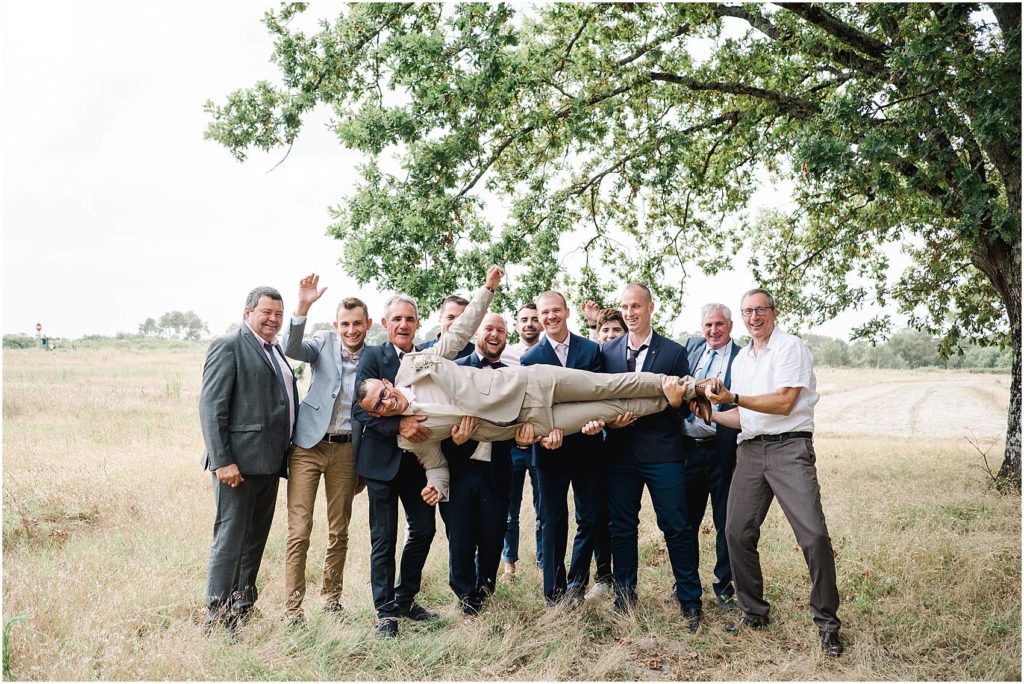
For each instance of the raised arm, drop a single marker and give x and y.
(294, 346)
(453, 340)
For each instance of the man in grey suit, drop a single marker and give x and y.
(247, 408)
(325, 443)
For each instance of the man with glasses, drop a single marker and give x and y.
(774, 393)
(711, 456)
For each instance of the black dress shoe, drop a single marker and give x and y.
(830, 643)
(387, 628)
(693, 616)
(295, 620)
(726, 602)
(748, 622)
(417, 613)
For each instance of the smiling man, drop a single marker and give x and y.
(247, 411)
(570, 466)
(774, 392)
(325, 443)
(711, 453)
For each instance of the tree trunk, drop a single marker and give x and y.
(1009, 473)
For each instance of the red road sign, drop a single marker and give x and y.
(39, 327)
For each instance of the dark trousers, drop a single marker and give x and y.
(603, 545)
(783, 470)
(708, 474)
(383, 496)
(522, 462)
(240, 529)
(666, 484)
(556, 476)
(475, 519)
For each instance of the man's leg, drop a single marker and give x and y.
(460, 514)
(510, 551)
(625, 491)
(793, 477)
(538, 511)
(493, 505)
(697, 484)
(603, 546)
(586, 492)
(340, 487)
(264, 501)
(554, 487)
(570, 385)
(571, 417)
(382, 498)
(230, 526)
(304, 469)
(720, 478)
(749, 500)
(667, 487)
(421, 519)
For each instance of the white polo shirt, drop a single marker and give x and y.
(784, 362)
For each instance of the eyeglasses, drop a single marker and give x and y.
(759, 310)
(385, 394)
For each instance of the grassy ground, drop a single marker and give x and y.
(107, 522)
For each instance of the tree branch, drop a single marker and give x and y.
(853, 37)
(791, 105)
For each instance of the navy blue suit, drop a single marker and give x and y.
(571, 464)
(391, 474)
(650, 453)
(709, 468)
(475, 516)
(466, 351)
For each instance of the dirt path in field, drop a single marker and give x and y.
(917, 405)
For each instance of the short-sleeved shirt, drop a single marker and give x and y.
(784, 362)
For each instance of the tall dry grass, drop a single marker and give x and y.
(107, 524)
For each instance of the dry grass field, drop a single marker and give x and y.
(107, 522)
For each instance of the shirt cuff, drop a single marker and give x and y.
(298, 319)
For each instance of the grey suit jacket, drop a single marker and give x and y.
(244, 412)
(318, 405)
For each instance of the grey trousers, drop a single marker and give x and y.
(240, 530)
(783, 470)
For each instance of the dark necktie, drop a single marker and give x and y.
(277, 367)
(631, 355)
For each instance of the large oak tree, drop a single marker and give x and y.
(633, 132)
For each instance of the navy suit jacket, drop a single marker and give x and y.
(583, 355)
(657, 438)
(378, 456)
(466, 351)
(501, 452)
(725, 437)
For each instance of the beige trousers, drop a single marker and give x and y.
(337, 464)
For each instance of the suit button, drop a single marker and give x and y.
(282, 403)
(334, 396)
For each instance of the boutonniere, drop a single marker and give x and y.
(424, 361)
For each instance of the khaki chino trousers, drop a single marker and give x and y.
(337, 464)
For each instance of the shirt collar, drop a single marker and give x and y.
(647, 342)
(260, 339)
(555, 342)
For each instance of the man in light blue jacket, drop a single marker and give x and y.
(325, 443)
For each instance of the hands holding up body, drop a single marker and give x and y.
(525, 437)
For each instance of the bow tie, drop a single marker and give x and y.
(352, 358)
(484, 363)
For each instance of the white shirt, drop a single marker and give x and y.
(784, 362)
(642, 356)
(697, 428)
(286, 372)
(514, 352)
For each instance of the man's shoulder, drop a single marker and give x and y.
(426, 345)
(666, 343)
(468, 360)
(533, 354)
(584, 342)
(695, 343)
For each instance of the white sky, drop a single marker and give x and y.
(115, 209)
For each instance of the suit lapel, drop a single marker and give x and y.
(250, 338)
(728, 367)
(652, 352)
(574, 351)
(616, 355)
(695, 355)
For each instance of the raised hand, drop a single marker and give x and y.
(494, 276)
(590, 310)
(309, 292)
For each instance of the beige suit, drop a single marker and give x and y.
(502, 399)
